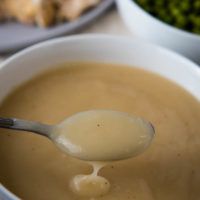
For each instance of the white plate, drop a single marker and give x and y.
(15, 36)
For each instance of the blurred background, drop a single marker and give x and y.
(173, 24)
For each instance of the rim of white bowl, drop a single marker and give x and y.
(159, 21)
(191, 65)
(6, 194)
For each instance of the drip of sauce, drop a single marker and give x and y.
(91, 185)
(101, 135)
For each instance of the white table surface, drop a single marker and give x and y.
(110, 23)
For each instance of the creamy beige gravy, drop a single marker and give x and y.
(100, 135)
(33, 168)
(103, 135)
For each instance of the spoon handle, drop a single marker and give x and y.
(24, 125)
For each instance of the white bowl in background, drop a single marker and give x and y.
(98, 48)
(154, 30)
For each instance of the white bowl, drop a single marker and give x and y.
(150, 28)
(99, 48)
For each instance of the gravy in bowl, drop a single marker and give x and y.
(33, 168)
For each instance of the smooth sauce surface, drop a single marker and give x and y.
(103, 135)
(33, 168)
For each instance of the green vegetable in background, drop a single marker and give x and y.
(184, 14)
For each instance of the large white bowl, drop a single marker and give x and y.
(99, 48)
(150, 28)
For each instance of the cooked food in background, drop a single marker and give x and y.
(72, 9)
(1, 12)
(183, 14)
(44, 13)
(29, 11)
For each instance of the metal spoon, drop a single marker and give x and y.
(24, 125)
(72, 135)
